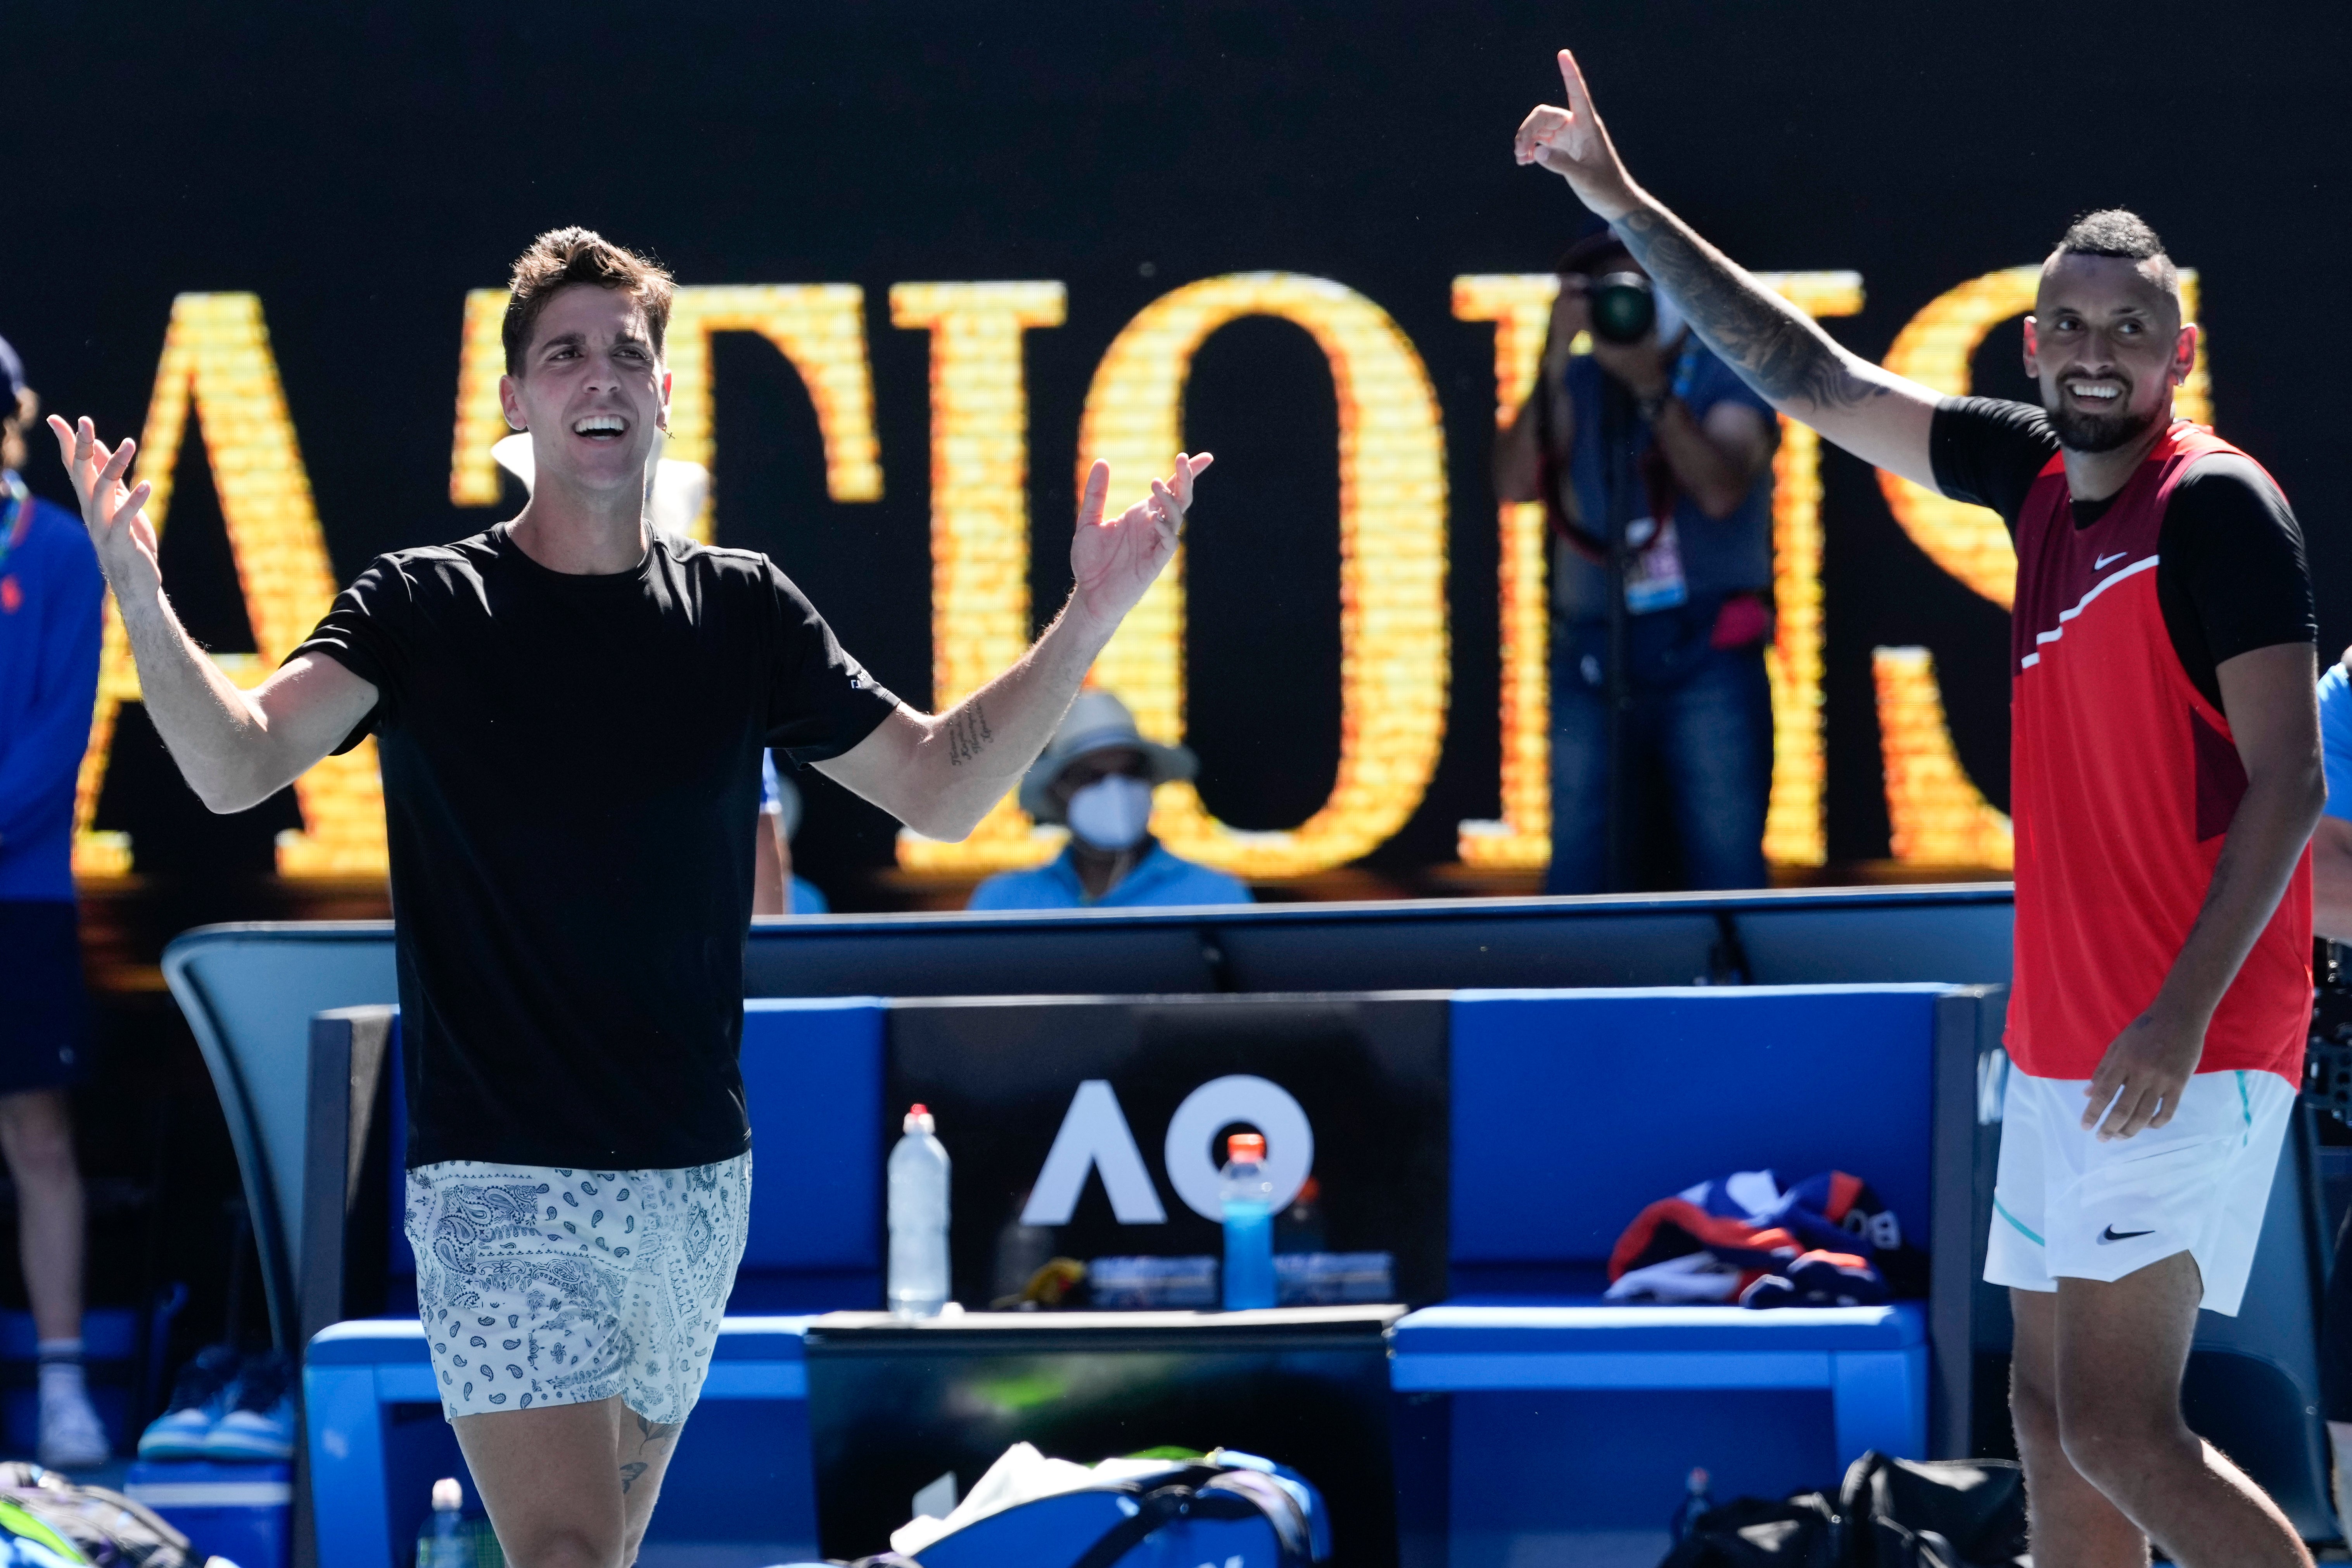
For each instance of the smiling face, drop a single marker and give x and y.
(2107, 345)
(591, 389)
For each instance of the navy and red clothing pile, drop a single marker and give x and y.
(1826, 1241)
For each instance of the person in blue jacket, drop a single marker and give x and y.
(51, 597)
(1096, 774)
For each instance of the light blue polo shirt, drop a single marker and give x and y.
(2336, 739)
(1157, 881)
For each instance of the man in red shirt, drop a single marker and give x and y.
(2164, 780)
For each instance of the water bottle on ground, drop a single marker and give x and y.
(448, 1547)
(918, 1221)
(1697, 1500)
(1246, 1198)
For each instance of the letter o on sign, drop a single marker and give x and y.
(1192, 1166)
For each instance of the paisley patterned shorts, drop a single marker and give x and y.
(540, 1286)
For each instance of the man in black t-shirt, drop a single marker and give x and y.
(2165, 781)
(579, 1155)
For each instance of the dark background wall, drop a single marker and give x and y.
(360, 167)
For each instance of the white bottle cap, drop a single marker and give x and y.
(448, 1497)
(919, 1120)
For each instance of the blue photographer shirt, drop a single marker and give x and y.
(2336, 739)
(51, 597)
(1720, 556)
(1159, 879)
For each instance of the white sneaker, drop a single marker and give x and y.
(72, 1438)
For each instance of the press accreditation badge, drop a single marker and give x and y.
(1654, 577)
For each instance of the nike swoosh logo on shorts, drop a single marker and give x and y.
(2101, 564)
(2112, 1234)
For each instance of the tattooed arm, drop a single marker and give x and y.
(940, 775)
(1774, 347)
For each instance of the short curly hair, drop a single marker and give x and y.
(2118, 231)
(561, 257)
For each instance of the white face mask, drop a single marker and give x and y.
(1111, 813)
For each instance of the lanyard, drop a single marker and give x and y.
(1685, 365)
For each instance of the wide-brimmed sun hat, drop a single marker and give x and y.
(1097, 721)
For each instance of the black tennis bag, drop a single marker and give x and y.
(1890, 1513)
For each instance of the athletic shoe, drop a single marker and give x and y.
(71, 1437)
(259, 1422)
(199, 1399)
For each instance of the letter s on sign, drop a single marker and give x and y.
(1219, 1102)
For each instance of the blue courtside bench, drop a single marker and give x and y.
(372, 1472)
(1567, 1419)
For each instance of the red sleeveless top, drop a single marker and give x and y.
(2123, 780)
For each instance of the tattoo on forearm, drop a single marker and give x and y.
(967, 734)
(1775, 347)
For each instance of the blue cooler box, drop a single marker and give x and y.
(242, 1512)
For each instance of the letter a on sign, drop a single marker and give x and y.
(1094, 1136)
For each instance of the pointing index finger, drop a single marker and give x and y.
(1580, 100)
(1090, 500)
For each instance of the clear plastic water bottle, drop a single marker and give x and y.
(448, 1547)
(918, 1221)
(1697, 1500)
(1246, 1198)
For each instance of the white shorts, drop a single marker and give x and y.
(540, 1286)
(2065, 1203)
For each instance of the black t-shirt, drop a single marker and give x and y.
(2230, 573)
(572, 778)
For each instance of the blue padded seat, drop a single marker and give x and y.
(1574, 1109)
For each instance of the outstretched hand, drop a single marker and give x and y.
(115, 514)
(1113, 560)
(1572, 143)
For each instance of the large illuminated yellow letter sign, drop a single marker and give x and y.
(1794, 829)
(1936, 814)
(1393, 666)
(819, 327)
(980, 521)
(216, 354)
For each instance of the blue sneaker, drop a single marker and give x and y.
(259, 1421)
(199, 1399)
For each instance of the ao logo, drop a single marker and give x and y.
(1095, 1136)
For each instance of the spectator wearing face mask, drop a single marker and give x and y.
(1096, 775)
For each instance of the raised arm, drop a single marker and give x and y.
(939, 774)
(235, 748)
(1879, 417)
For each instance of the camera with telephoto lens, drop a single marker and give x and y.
(1622, 306)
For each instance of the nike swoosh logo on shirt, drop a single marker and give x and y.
(2112, 1234)
(2101, 564)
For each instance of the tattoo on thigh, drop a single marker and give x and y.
(629, 1474)
(967, 733)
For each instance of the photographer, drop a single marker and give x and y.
(1658, 432)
